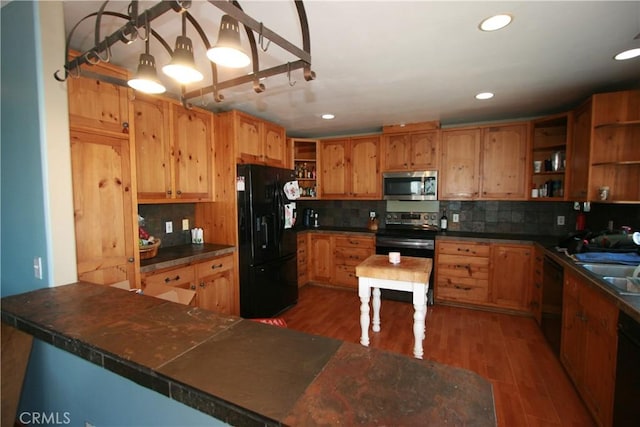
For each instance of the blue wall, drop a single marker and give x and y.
(23, 234)
(56, 381)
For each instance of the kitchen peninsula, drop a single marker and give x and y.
(245, 372)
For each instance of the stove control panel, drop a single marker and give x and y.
(412, 219)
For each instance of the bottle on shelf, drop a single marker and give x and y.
(444, 223)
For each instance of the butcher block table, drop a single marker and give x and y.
(410, 275)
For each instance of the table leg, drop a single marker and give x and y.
(376, 309)
(418, 329)
(364, 314)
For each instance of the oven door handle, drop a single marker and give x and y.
(405, 243)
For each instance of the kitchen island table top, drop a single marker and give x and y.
(244, 372)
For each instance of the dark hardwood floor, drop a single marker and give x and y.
(530, 386)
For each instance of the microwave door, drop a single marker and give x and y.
(430, 187)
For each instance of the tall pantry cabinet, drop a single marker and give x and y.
(104, 191)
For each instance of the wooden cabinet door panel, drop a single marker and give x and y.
(103, 208)
(504, 162)
(275, 145)
(365, 167)
(397, 152)
(424, 151)
(98, 105)
(333, 173)
(215, 292)
(510, 275)
(572, 342)
(249, 138)
(578, 160)
(320, 259)
(192, 153)
(460, 164)
(152, 147)
(345, 275)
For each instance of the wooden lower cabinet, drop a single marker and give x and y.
(320, 258)
(213, 281)
(535, 297)
(348, 252)
(511, 276)
(462, 272)
(303, 272)
(333, 257)
(589, 344)
(492, 275)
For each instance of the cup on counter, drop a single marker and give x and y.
(394, 257)
(537, 166)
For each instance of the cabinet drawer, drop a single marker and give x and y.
(176, 277)
(462, 289)
(351, 256)
(464, 248)
(346, 276)
(354, 242)
(214, 266)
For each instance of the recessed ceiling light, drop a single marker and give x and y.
(328, 116)
(627, 54)
(484, 95)
(495, 22)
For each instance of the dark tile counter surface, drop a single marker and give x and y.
(176, 256)
(247, 373)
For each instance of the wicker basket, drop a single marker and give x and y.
(149, 251)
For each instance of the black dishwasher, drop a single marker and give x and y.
(626, 406)
(552, 284)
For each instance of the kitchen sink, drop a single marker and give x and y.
(610, 270)
(618, 276)
(624, 285)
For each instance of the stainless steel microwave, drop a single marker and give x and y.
(421, 185)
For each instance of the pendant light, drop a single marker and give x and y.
(182, 66)
(228, 52)
(146, 78)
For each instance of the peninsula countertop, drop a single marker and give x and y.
(244, 372)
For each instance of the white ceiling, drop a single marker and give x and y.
(389, 62)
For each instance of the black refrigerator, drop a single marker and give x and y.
(267, 248)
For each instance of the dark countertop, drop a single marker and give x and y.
(175, 256)
(244, 372)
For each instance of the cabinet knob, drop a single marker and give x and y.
(130, 260)
(125, 127)
(193, 287)
(202, 284)
(169, 192)
(179, 192)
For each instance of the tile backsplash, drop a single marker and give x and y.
(155, 217)
(484, 216)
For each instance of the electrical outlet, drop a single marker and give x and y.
(372, 214)
(37, 267)
(560, 220)
(576, 206)
(168, 227)
(185, 224)
(456, 217)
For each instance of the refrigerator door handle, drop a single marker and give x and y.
(265, 232)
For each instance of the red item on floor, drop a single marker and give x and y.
(276, 321)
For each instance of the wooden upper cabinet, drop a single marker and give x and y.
(151, 130)
(275, 145)
(193, 153)
(578, 155)
(257, 141)
(333, 174)
(365, 167)
(459, 164)
(104, 208)
(504, 157)
(174, 151)
(350, 168)
(411, 151)
(97, 105)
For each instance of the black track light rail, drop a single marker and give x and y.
(139, 20)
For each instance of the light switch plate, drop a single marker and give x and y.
(168, 226)
(560, 220)
(185, 224)
(456, 217)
